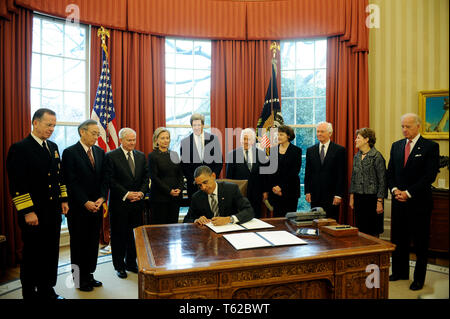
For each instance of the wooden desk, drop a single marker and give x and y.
(189, 261)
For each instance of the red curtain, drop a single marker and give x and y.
(240, 75)
(15, 118)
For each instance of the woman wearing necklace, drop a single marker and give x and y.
(283, 186)
(167, 180)
(368, 186)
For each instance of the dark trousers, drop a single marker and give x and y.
(367, 219)
(282, 205)
(164, 213)
(410, 221)
(84, 228)
(40, 254)
(123, 219)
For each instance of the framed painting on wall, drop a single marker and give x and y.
(434, 112)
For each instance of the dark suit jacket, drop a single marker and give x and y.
(237, 168)
(230, 200)
(190, 159)
(121, 179)
(84, 183)
(35, 177)
(287, 173)
(324, 181)
(420, 170)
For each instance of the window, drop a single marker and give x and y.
(188, 84)
(303, 93)
(60, 75)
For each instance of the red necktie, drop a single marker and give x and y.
(407, 151)
(91, 158)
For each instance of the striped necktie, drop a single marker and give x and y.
(214, 205)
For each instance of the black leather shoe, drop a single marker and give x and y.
(95, 283)
(121, 274)
(397, 277)
(132, 269)
(416, 285)
(86, 287)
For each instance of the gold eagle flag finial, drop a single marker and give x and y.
(103, 33)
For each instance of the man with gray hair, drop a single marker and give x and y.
(325, 172)
(199, 148)
(86, 187)
(127, 172)
(412, 168)
(244, 163)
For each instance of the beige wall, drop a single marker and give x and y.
(408, 53)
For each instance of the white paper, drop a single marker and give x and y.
(246, 240)
(279, 238)
(255, 223)
(225, 228)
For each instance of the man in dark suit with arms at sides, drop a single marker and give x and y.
(325, 172)
(199, 148)
(244, 163)
(40, 196)
(86, 187)
(412, 168)
(218, 202)
(127, 173)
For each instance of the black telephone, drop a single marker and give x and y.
(310, 215)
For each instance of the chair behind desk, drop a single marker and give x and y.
(242, 183)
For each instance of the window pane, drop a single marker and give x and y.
(75, 41)
(287, 56)
(170, 111)
(304, 111)
(36, 70)
(53, 100)
(287, 83)
(320, 110)
(321, 83)
(202, 83)
(170, 82)
(304, 83)
(65, 136)
(170, 46)
(35, 98)
(305, 137)
(52, 40)
(170, 60)
(202, 55)
(183, 110)
(288, 111)
(184, 86)
(176, 135)
(74, 70)
(74, 107)
(321, 54)
(52, 72)
(305, 55)
(36, 47)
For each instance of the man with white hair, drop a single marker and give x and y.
(244, 163)
(325, 172)
(412, 168)
(127, 173)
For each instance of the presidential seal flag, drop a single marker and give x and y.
(270, 115)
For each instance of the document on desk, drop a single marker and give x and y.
(255, 223)
(263, 239)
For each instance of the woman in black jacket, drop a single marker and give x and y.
(283, 187)
(166, 180)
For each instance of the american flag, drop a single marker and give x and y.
(103, 111)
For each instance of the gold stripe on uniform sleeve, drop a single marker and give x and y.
(63, 189)
(24, 205)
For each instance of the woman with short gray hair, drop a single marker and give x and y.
(368, 186)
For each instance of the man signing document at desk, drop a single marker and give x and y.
(220, 203)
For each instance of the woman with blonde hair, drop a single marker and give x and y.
(167, 180)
